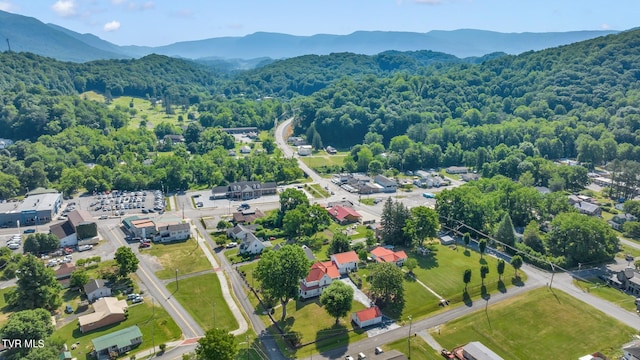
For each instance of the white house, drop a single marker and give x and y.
(387, 184)
(346, 262)
(320, 276)
(252, 245)
(367, 317)
(96, 289)
(304, 150)
(238, 232)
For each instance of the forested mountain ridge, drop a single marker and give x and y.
(558, 99)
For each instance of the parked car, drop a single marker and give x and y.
(144, 245)
(138, 299)
(348, 357)
(232, 245)
(362, 356)
(29, 231)
(378, 350)
(68, 309)
(133, 296)
(14, 246)
(85, 247)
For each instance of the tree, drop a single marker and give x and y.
(386, 283)
(269, 145)
(126, 260)
(79, 278)
(393, 221)
(500, 267)
(371, 238)
(337, 299)
(466, 277)
(292, 198)
(506, 233)
(41, 243)
(531, 237)
(37, 286)
(222, 225)
(631, 229)
(280, 272)
(217, 344)
(423, 223)
(484, 270)
(467, 239)
(581, 239)
(339, 244)
(33, 325)
(411, 264)
(482, 246)
(516, 262)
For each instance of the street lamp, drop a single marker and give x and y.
(409, 339)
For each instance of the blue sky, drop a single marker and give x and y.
(161, 22)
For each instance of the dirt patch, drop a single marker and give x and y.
(209, 223)
(153, 262)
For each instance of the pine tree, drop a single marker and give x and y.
(506, 233)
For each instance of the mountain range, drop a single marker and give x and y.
(31, 35)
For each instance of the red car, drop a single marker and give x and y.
(144, 245)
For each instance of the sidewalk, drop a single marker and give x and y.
(150, 352)
(224, 285)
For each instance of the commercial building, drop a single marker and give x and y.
(106, 311)
(36, 208)
(79, 229)
(163, 229)
(244, 190)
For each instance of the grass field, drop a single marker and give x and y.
(202, 297)
(186, 256)
(159, 322)
(420, 350)
(323, 160)
(598, 288)
(442, 271)
(540, 322)
(4, 309)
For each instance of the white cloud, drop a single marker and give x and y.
(111, 26)
(117, 2)
(148, 5)
(64, 8)
(605, 26)
(7, 6)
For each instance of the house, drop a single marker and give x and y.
(346, 261)
(247, 216)
(65, 355)
(320, 276)
(139, 227)
(344, 215)
(96, 289)
(79, 229)
(106, 311)
(542, 189)
(457, 170)
(119, 342)
(171, 230)
(240, 130)
(331, 150)
(231, 152)
(367, 317)
(475, 350)
(245, 150)
(238, 232)
(252, 245)
(631, 350)
(381, 254)
(174, 139)
(469, 177)
(627, 281)
(296, 141)
(588, 208)
(63, 274)
(305, 150)
(387, 184)
(619, 220)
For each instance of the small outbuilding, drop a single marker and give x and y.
(367, 317)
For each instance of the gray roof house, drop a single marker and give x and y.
(119, 342)
(631, 350)
(387, 184)
(96, 289)
(588, 208)
(619, 220)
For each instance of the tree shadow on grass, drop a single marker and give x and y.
(501, 287)
(428, 261)
(483, 261)
(483, 292)
(409, 277)
(467, 299)
(517, 281)
(467, 253)
(332, 337)
(393, 309)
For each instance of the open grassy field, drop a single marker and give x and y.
(186, 256)
(442, 271)
(540, 322)
(323, 160)
(4, 309)
(420, 350)
(202, 297)
(149, 321)
(599, 288)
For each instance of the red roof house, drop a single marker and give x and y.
(367, 317)
(320, 276)
(381, 254)
(346, 261)
(344, 215)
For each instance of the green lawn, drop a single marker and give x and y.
(420, 350)
(322, 191)
(186, 256)
(599, 288)
(442, 271)
(540, 322)
(142, 110)
(159, 322)
(323, 160)
(202, 297)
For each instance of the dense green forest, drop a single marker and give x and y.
(502, 115)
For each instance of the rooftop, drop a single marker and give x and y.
(320, 269)
(120, 338)
(102, 308)
(368, 314)
(345, 257)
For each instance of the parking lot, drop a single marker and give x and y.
(122, 203)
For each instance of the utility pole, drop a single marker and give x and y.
(246, 338)
(8, 45)
(153, 316)
(553, 272)
(409, 339)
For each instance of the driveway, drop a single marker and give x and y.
(358, 295)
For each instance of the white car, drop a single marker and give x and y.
(13, 246)
(232, 245)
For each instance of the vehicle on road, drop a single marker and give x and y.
(362, 356)
(447, 354)
(29, 231)
(378, 350)
(137, 299)
(348, 357)
(144, 245)
(428, 195)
